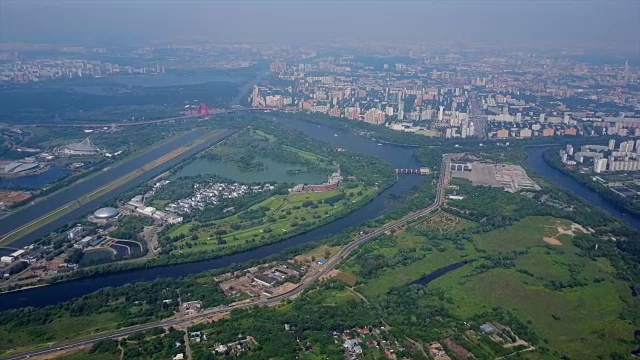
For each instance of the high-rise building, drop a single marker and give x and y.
(352, 113)
(626, 146)
(569, 149)
(374, 116)
(400, 110)
(599, 165)
(519, 117)
(612, 144)
(541, 118)
(441, 113)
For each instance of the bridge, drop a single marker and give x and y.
(419, 171)
(193, 116)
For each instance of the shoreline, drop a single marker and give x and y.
(151, 264)
(41, 169)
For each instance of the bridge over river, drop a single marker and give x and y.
(418, 171)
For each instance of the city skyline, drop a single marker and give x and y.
(591, 24)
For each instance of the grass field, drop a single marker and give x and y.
(444, 222)
(60, 329)
(582, 321)
(273, 219)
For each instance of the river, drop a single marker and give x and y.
(399, 157)
(537, 164)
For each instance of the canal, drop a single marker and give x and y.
(399, 157)
(63, 197)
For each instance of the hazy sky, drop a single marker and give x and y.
(561, 22)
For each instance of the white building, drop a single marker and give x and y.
(599, 165)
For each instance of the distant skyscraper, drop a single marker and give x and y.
(278, 66)
(626, 70)
(612, 144)
(441, 113)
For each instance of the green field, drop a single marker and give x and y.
(60, 329)
(575, 305)
(443, 222)
(273, 219)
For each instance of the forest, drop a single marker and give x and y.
(130, 227)
(247, 146)
(105, 309)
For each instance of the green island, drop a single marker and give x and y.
(491, 273)
(285, 213)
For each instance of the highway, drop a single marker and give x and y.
(477, 117)
(159, 121)
(308, 281)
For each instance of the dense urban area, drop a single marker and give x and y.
(217, 200)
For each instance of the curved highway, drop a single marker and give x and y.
(309, 280)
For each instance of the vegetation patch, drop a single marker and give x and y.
(578, 299)
(443, 222)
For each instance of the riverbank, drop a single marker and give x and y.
(536, 162)
(586, 180)
(52, 216)
(65, 196)
(404, 186)
(292, 215)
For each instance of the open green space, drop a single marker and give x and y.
(258, 220)
(104, 310)
(442, 221)
(273, 219)
(246, 148)
(574, 304)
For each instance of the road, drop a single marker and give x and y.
(308, 281)
(159, 121)
(477, 117)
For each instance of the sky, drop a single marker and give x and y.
(561, 23)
